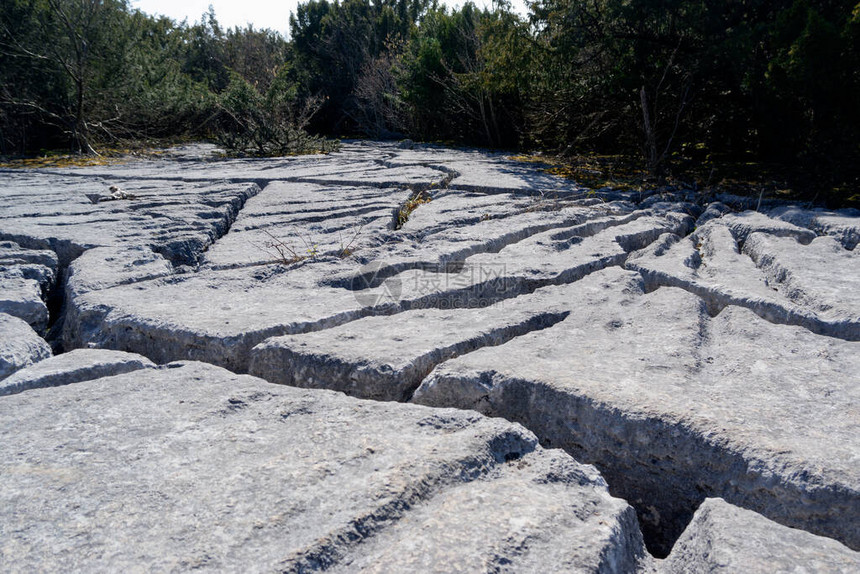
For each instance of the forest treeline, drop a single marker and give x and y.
(743, 80)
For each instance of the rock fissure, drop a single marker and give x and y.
(400, 360)
(453, 261)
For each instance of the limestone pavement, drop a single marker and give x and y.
(561, 379)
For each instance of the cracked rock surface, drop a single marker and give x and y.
(203, 468)
(688, 350)
(653, 390)
(774, 275)
(723, 538)
(27, 277)
(73, 367)
(20, 345)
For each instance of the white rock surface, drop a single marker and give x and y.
(26, 278)
(20, 345)
(378, 358)
(822, 276)
(191, 466)
(748, 222)
(843, 224)
(42, 210)
(723, 538)
(673, 405)
(22, 298)
(710, 264)
(304, 221)
(721, 363)
(12, 254)
(105, 267)
(73, 367)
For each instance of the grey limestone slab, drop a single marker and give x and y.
(73, 367)
(193, 467)
(20, 345)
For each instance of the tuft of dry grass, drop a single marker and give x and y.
(105, 156)
(415, 200)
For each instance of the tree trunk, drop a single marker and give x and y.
(651, 158)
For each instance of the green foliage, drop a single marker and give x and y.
(91, 73)
(336, 43)
(765, 80)
(77, 47)
(674, 82)
(464, 75)
(249, 123)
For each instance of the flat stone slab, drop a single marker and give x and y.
(805, 275)
(42, 210)
(213, 315)
(842, 224)
(384, 359)
(457, 208)
(13, 254)
(191, 466)
(430, 248)
(503, 176)
(742, 225)
(127, 300)
(218, 315)
(303, 221)
(415, 177)
(105, 267)
(674, 405)
(725, 538)
(523, 259)
(73, 367)
(20, 345)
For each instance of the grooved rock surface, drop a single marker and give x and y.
(212, 316)
(812, 285)
(307, 254)
(687, 348)
(73, 367)
(821, 276)
(748, 222)
(20, 345)
(673, 405)
(843, 224)
(386, 358)
(13, 254)
(191, 466)
(723, 538)
(44, 210)
(302, 220)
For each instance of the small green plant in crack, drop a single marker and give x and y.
(415, 200)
